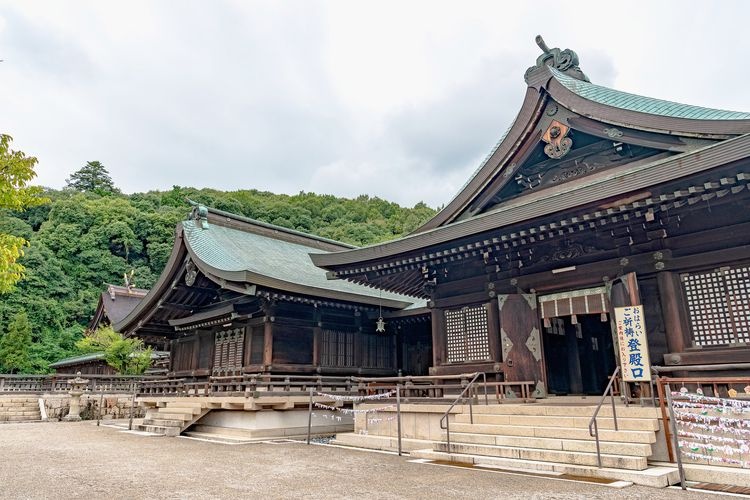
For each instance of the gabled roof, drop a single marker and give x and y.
(615, 183)
(681, 140)
(243, 255)
(115, 304)
(557, 79)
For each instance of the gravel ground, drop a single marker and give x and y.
(80, 460)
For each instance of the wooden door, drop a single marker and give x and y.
(520, 340)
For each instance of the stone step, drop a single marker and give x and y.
(20, 418)
(192, 410)
(158, 429)
(656, 477)
(11, 401)
(565, 410)
(161, 422)
(629, 424)
(565, 457)
(561, 444)
(185, 404)
(218, 438)
(622, 436)
(24, 412)
(172, 416)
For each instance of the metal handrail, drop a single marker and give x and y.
(446, 420)
(593, 426)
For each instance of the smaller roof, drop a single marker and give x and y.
(246, 256)
(75, 360)
(96, 356)
(115, 303)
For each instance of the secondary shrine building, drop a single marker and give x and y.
(239, 296)
(594, 199)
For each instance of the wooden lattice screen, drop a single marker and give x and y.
(228, 350)
(467, 334)
(719, 306)
(378, 351)
(337, 348)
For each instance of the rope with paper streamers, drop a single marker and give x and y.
(708, 432)
(357, 399)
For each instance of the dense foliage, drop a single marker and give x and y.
(16, 171)
(126, 356)
(83, 239)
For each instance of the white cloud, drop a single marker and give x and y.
(399, 100)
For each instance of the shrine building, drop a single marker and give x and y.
(239, 296)
(594, 199)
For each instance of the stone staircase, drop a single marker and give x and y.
(555, 438)
(173, 418)
(19, 409)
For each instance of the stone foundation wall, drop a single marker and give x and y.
(113, 406)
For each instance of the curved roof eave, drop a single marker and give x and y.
(149, 303)
(522, 126)
(215, 274)
(547, 202)
(637, 117)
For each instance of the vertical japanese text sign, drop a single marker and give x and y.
(631, 337)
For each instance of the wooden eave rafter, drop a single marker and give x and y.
(627, 210)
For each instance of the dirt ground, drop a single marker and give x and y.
(80, 460)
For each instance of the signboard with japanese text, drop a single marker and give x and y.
(631, 338)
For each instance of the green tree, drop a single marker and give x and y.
(16, 171)
(14, 345)
(92, 178)
(126, 356)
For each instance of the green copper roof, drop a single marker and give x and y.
(633, 102)
(273, 262)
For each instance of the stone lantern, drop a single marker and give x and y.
(77, 386)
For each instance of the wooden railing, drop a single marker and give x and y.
(38, 384)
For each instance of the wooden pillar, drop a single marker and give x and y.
(675, 321)
(268, 341)
(438, 337)
(317, 337)
(359, 339)
(493, 330)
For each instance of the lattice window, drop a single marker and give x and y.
(337, 349)
(377, 351)
(467, 334)
(719, 306)
(228, 350)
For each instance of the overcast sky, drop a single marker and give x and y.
(400, 100)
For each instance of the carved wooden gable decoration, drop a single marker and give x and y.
(569, 129)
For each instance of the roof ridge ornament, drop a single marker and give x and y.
(562, 60)
(200, 215)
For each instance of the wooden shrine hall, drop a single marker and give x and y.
(594, 199)
(239, 296)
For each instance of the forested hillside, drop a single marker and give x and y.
(90, 234)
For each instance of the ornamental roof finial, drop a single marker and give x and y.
(562, 60)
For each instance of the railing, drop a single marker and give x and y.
(432, 387)
(710, 386)
(40, 384)
(289, 385)
(593, 426)
(445, 420)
